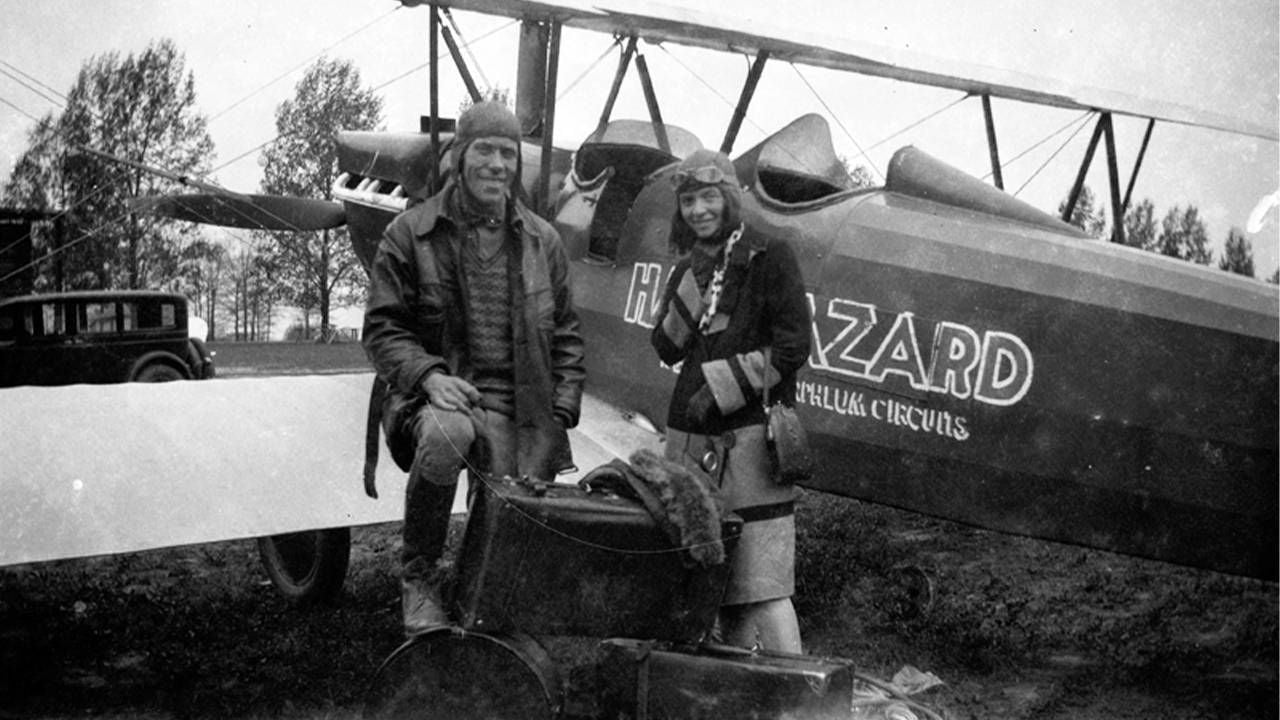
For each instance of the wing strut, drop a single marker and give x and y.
(1070, 208)
(623, 63)
(549, 118)
(458, 61)
(433, 122)
(1113, 177)
(997, 176)
(1105, 130)
(655, 114)
(740, 112)
(1137, 164)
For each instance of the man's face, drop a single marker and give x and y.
(489, 165)
(703, 210)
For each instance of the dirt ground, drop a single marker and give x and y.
(1015, 628)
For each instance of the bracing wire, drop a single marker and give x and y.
(15, 107)
(617, 42)
(441, 56)
(93, 232)
(293, 69)
(830, 112)
(726, 100)
(375, 88)
(704, 82)
(37, 91)
(466, 47)
(96, 231)
(914, 125)
(37, 81)
(1038, 143)
(1054, 155)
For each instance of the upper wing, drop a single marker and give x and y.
(726, 31)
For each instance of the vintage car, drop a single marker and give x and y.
(99, 337)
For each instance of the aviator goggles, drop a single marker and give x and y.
(707, 175)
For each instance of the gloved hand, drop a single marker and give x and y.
(702, 406)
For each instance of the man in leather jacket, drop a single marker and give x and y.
(471, 324)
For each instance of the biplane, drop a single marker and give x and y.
(974, 358)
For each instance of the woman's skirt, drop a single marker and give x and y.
(764, 560)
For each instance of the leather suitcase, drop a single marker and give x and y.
(658, 681)
(556, 559)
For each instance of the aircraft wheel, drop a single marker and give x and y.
(308, 566)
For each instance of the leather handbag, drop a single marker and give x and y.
(787, 441)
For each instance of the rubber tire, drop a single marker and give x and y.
(158, 372)
(307, 567)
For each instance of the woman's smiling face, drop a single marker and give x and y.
(703, 210)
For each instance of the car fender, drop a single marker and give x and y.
(160, 356)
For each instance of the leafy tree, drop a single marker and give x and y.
(1140, 225)
(136, 108)
(1237, 255)
(315, 268)
(859, 175)
(203, 267)
(1182, 235)
(1088, 214)
(1275, 277)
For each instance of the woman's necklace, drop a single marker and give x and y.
(717, 282)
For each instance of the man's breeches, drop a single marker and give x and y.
(447, 442)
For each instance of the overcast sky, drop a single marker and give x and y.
(247, 56)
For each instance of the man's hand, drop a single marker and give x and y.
(449, 392)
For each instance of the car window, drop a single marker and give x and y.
(98, 318)
(128, 316)
(53, 320)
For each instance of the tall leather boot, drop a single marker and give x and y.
(428, 507)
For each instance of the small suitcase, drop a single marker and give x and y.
(555, 559)
(658, 681)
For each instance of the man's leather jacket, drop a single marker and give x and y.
(415, 322)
